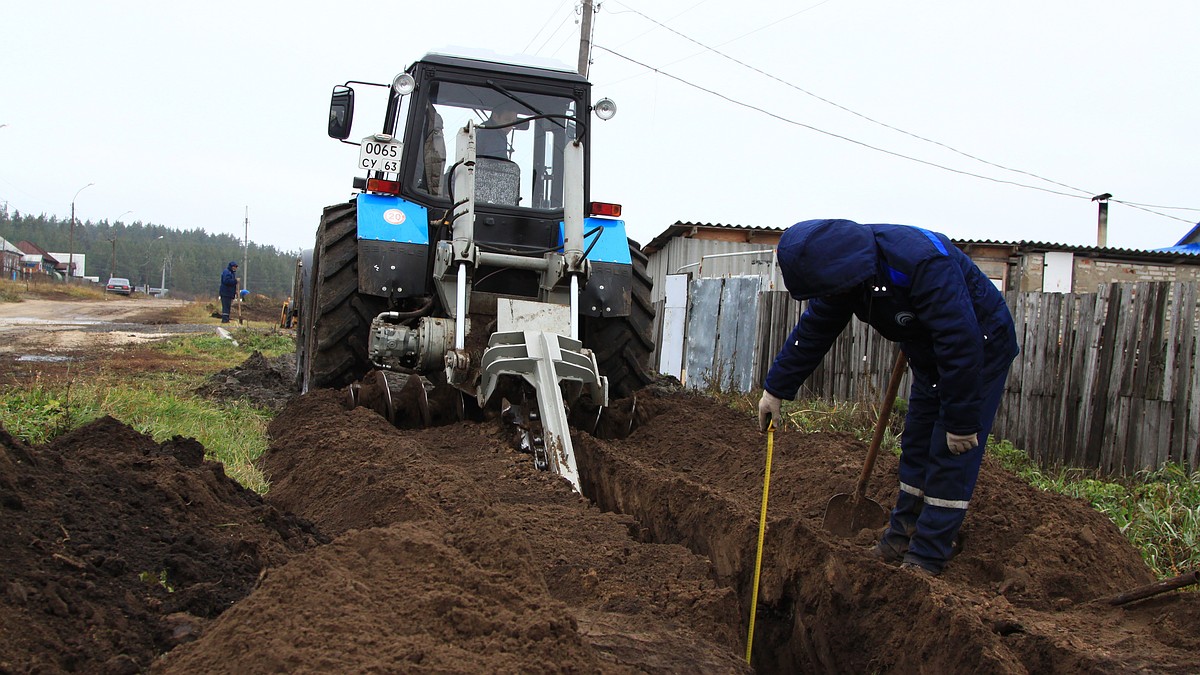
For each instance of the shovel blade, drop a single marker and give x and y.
(845, 516)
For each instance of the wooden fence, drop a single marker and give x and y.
(1106, 381)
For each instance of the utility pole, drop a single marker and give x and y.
(245, 251)
(113, 265)
(585, 38)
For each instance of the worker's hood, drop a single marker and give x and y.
(826, 257)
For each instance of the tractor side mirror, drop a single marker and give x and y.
(341, 112)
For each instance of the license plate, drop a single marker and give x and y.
(380, 153)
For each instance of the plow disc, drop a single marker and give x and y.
(408, 401)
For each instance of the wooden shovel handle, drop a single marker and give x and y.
(885, 411)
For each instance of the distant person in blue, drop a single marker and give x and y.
(916, 288)
(229, 285)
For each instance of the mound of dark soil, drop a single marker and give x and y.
(453, 554)
(114, 548)
(456, 555)
(268, 383)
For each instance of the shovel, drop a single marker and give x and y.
(846, 514)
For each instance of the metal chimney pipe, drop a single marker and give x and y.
(1102, 219)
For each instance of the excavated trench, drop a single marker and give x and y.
(444, 550)
(1020, 598)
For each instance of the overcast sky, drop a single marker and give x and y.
(188, 114)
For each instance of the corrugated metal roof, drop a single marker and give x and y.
(680, 227)
(1095, 251)
(1166, 253)
(8, 246)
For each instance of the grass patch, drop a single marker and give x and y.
(218, 350)
(16, 291)
(158, 404)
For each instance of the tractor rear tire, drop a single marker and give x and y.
(623, 344)
(336, 318)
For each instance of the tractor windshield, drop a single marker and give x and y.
(519, 165)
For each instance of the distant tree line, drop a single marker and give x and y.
(192, 260)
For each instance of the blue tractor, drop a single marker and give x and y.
(471, 270)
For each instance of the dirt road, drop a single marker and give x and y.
(44, 327)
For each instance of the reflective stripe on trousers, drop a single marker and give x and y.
(936, 485)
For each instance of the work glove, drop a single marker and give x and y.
(960, 443)
(768, 409)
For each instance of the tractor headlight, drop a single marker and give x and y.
(605, 108)
(404, 84)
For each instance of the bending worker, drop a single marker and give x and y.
(916, 288)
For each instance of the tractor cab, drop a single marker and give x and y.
(523, 118)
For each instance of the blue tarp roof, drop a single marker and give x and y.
(1189, 244)
(1191, 249)
(1191, 238)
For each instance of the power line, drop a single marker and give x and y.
(1153, 206)
(852, 112)
(642, 34)
(722, 44)
(547, 23)
(569, 37)
(551, 35)
(862, 144)
(1139, 207)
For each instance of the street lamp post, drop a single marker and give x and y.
(71, 255)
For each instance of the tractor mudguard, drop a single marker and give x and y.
(393, 246)
(607, 292)
(609, 244)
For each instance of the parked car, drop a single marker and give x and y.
(118, 285)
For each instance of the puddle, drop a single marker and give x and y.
(43, 358)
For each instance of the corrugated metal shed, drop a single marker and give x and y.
(706, 250)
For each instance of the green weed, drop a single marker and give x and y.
(160, 579)
(1158, 511)
(37, 414)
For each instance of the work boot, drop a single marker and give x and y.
(886, 552)
(914, 563)
(917, 569)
